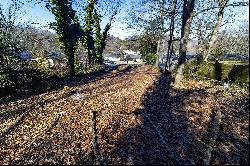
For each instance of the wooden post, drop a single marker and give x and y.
(93, 128)
(94, 138)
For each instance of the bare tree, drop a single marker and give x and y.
(187, 18)
(9, 36)
(222, 5)
(171, 33)
(144, 12)
(209, 19)
(162, 15)
(234, 41)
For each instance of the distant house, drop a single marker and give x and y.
(55, 59)
(132, 56)
(174, 59)
(25, 55)
(130, 52)
(35, 59)
(56, 54)
(191, 55)
(236, 57)
(53, 62)
(112, 57)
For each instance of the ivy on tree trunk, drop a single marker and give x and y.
(95, 40)
(67, 27)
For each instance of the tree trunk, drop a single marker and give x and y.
(171, 34)
(158, 53)
(213, 37)
(162, 32)
(187, 18)
(199, 35)
(71, 63)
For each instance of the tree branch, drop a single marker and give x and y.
(235, 4)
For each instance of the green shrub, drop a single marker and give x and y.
(150, 59)
(188, 69)
(236, 73)
(219, 53)
(239, 74)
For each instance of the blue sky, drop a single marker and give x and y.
(42, 16)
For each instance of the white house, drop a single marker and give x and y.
(132, 56)
(25, 55)
(112, 58)
(130, 52)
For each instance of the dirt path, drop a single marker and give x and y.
(141, 119)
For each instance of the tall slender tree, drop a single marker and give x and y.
(95, 40)
(222, 6)
(67, 27)
(161, 38)
(187, 18)
(171, 33)
(88, 30)
(205, 18)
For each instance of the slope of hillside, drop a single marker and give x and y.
(140, 119)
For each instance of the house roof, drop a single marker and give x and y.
(111, 56)
(25, 55)
(130, 52)
(55, 54)
(134, 56)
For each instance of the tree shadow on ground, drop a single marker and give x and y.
(184, 134)
(232, 146)
(181, 141)
(143, 143)
(217, 70)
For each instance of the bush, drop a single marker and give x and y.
(150, 59)
(236, 73)
(25, 77)
(219, 53)
(148, 44)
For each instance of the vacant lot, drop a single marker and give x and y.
(141, 119)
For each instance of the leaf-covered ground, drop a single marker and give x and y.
(141, 119)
